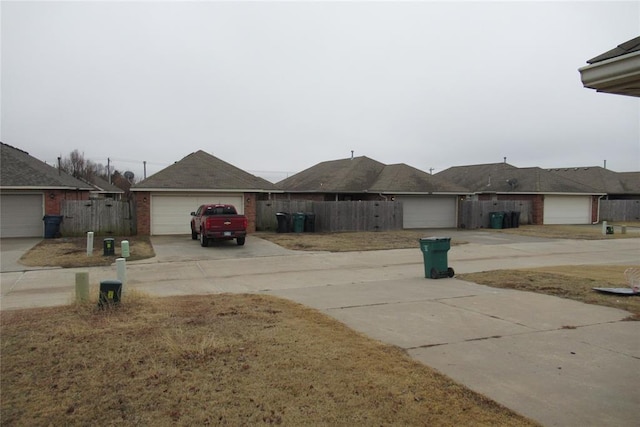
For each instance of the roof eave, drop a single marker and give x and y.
(204, 190)
(42, 188)
(619, 75)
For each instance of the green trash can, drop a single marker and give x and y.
(434, 251)
(496, 219)
(298, 222)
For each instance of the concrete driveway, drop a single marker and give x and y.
(557, 361)
(183, 248)
(12, 249)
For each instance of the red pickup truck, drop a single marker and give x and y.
(218, 222)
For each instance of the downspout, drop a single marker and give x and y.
(386, 199)
(598, 214)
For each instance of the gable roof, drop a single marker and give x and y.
(103, 186)
(505, 178)
(21, 171)
(603, 180)
(202, 171)
(335, 176)
(402, 178)
(362, 175)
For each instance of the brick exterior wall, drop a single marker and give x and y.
(250, 200)
(143, 212)
(53, 199)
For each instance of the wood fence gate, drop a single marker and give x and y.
(476, 213)
(102, 216)
(334, 216)
(620, 210)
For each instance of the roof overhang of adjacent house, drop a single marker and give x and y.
(616, 75)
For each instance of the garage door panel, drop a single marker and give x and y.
(428, 212)
(21, 215)
(171, 214)
(567, 210)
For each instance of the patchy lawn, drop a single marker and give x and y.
(349, 241)
(218, 360)
(71, 252)
(570, 281)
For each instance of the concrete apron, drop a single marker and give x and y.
(557, 361)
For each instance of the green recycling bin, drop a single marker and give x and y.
(434, 251)
(496, 219)
(298, 222)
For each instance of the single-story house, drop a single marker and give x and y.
(165, 200)
(555, 199)
(616, 71)
(31, 189)
(428, 201)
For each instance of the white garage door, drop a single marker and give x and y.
(21, 215)
(567, 210)
(428, 212)
(172, 214)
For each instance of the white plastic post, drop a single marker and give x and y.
(89, 243)
(124, 245)
(121, 265)
(82, 287)
(604, 227)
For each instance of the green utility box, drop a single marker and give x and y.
(109, 246)
(298, 222)
(496, 219)
(434, 251)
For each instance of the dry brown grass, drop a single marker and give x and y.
(349, 241)
(574, 282)
(71, 252)
(579, 232)
(218, 360)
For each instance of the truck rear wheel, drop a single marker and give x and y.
(204, 241)
(240, 241)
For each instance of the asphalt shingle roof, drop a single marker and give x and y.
(603, 180)
(362, 174)
(627, 47)
(201, 170)
(505, 178)
(630, 182)
(20, 170)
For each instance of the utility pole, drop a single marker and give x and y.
(431, 170)
(109, 170)
(144, 163)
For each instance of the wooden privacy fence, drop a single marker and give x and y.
(334, 216)
(620, 210)
(102, 216)
(477, 213)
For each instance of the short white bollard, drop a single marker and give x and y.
(604, 227)
(121, 265)
(89, 243)
(82, 287)
(124, 245)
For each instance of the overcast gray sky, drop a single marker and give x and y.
(276, 87)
